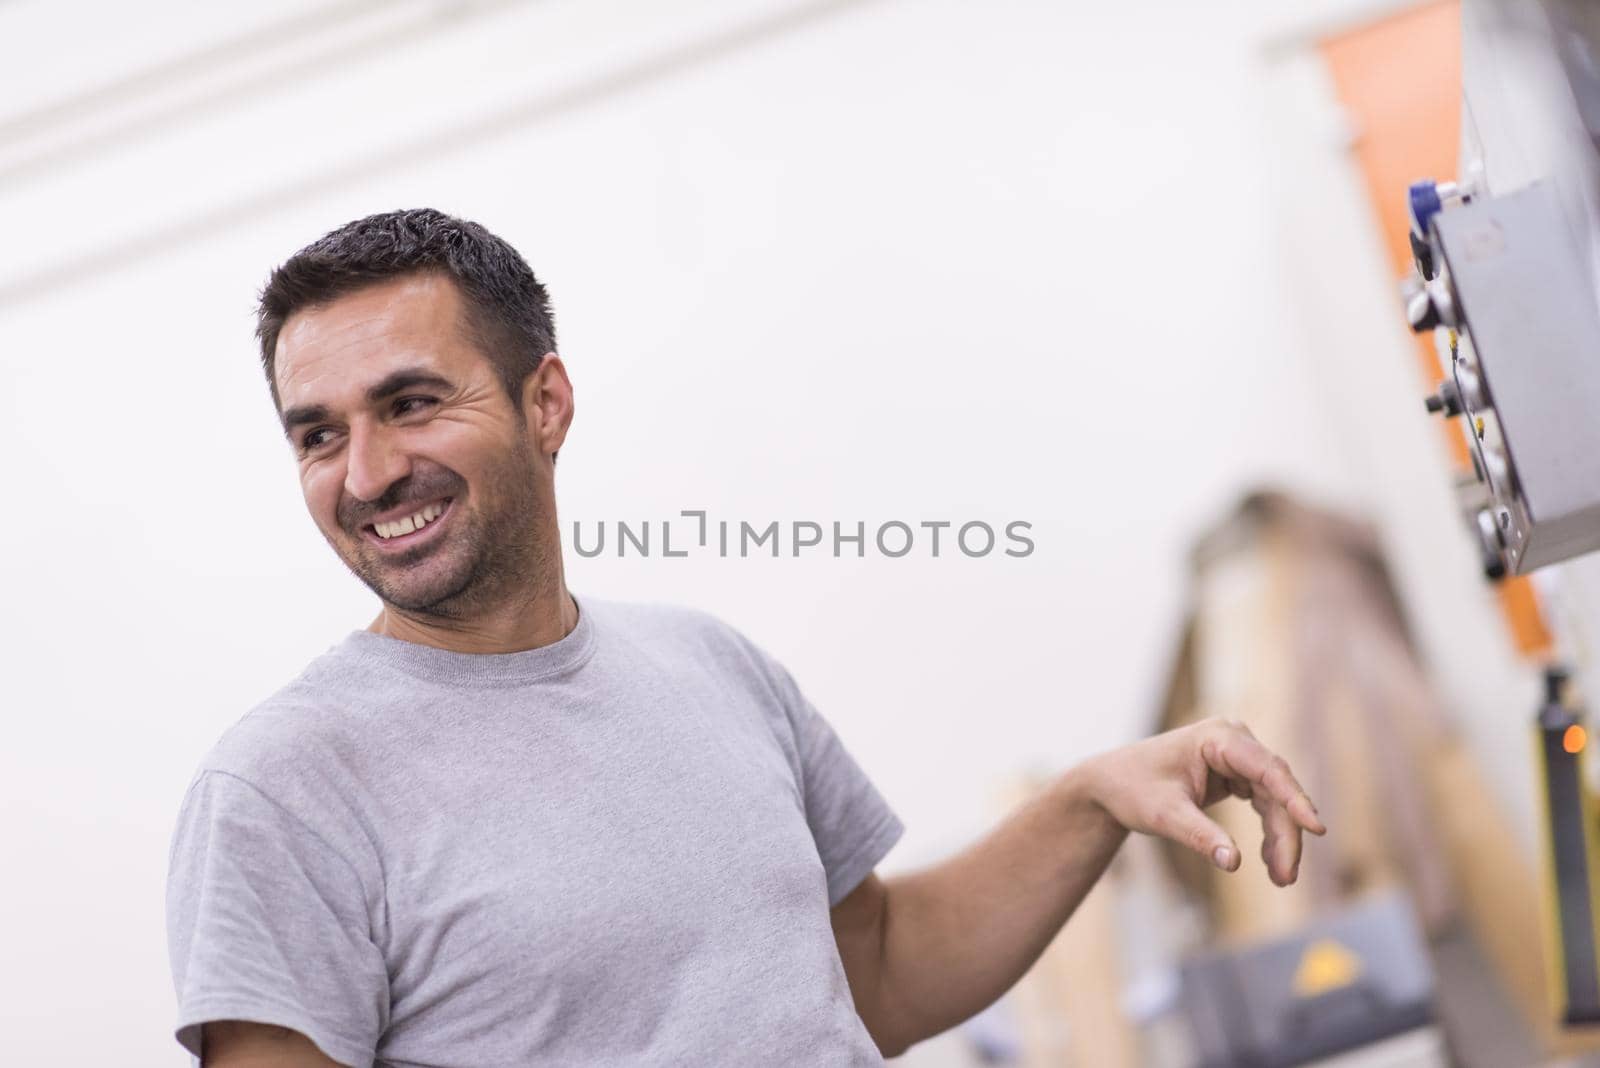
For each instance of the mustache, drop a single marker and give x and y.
(416, 489)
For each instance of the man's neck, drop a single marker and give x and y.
(543, 620)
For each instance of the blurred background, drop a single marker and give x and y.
(1107, 269)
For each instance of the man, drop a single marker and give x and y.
(503, 826)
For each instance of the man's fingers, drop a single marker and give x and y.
(1280, 846)
(1232, 753)
(1188, 826)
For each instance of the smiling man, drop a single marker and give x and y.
(501, 825)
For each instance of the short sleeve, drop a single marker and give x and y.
(266, 922)
(853, 825)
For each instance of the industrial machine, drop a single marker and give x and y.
(1506, 278)
(1572, 862)
(1353, 988)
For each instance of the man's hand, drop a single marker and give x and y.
(925, 950)
(1160, 785)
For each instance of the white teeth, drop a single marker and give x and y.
(409, 523)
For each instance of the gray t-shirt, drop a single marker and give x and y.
(618, 849)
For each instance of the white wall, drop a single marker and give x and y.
(851, 261)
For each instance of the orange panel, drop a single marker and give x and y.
(1400, 82)
(1521, 608)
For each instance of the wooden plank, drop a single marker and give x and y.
(1069, 1005)
(1297, 631)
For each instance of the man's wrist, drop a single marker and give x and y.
(1080, 792)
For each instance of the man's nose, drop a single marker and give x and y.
(374, 462)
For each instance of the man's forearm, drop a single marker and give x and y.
(958, 935)
(925, 951)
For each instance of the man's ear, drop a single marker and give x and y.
(547, 404)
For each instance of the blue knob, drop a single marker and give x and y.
(1423, 204)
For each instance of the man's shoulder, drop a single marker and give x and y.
(685, 635)
(293, 730)
(675, 627)
(657, 618)
(282, 784)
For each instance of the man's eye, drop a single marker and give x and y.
(407, 405)
(313, 439)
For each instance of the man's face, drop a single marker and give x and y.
(415, 464)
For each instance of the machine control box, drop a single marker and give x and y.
(1523, 370)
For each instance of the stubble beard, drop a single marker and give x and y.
(496, 555)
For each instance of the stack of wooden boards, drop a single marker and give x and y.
(1295, 628)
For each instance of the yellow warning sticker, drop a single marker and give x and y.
(1325, 965)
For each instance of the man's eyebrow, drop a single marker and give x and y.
(406, 378)
(304, 413)
(392, 383)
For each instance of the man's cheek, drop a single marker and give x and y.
(324, 509)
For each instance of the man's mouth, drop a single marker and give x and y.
(411, 529)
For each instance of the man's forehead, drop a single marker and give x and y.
(364, 334)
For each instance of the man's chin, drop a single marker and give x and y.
(417, 587)
(423, 602)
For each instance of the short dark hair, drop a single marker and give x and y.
(508, 311)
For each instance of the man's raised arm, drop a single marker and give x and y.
(927, 950)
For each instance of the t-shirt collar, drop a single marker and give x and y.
(444, 665)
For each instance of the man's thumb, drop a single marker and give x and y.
(1200, 833)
